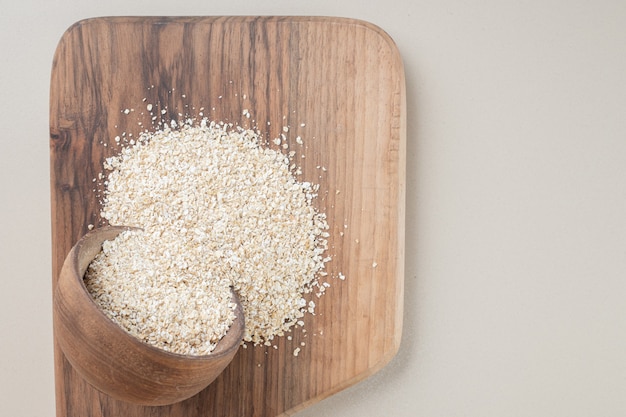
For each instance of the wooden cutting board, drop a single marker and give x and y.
(336, 83)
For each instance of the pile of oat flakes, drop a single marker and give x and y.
(217, 209)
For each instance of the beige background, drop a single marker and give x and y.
(516, 203)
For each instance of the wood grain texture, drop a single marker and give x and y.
(337, 83)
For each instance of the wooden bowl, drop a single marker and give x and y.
(112, 360)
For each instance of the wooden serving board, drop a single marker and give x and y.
(339, 85)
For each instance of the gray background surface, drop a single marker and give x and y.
(516, 203)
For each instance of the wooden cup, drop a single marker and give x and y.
(112, 360)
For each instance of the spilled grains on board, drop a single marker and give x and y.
(217, 210)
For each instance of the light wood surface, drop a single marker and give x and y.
(337, 83)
